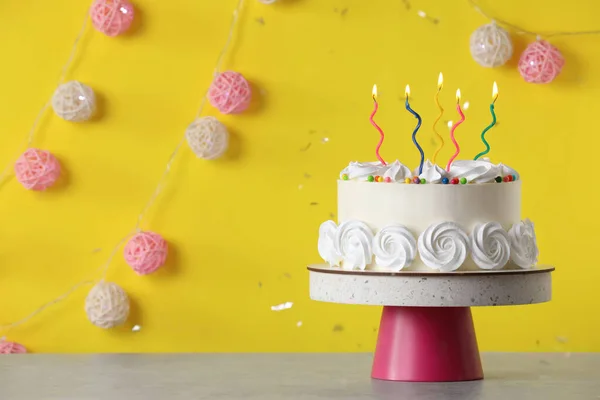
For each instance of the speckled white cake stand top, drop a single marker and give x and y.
(431, 289)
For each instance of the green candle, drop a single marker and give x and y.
(490, 126)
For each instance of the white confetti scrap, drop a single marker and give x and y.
(325, 140)
(136, 328)
(283, 306)
(299, 324)
(423, 14)
(466, 105)
(450, 123)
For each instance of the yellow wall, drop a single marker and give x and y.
(242, 229)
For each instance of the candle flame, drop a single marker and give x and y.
(495, 92)
(458, 95)
(374, 91)
(407, 91)
(440, 81)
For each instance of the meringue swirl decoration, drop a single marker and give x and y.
(490, 247)
(394, 247)
(353, 241)
(431, 173)
(524, 250)
(326, 244)
(443, 246)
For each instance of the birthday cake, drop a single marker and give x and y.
(394, 219)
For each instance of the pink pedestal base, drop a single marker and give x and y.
(427, 344)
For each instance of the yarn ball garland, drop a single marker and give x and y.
(540, 62)
(107, 305)
(145, 252)
(207, 137)
(74, 101)
(491, 45)
(37, 169)
(230, 93)
(7, 347)
(112, 17)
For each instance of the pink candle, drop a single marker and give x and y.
(462, 119)
(382, 136)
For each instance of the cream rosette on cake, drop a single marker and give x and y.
(443, 246)
(524, 250)
(396, 171)
(394, 247)
(432, 173)
(490, 247)
(353, 241)
(479, 171)
(506, 170)
(475, 171)
(326, 245)
(359, 170)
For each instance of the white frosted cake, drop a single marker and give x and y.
(467, 219)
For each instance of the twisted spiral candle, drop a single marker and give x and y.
(382, 136)
(437, 101)
(414, 135)
(462, 119)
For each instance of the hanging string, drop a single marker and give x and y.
(65, 69)
(522, 31)
(104, 268)
(171, 159)
(92, 280)
(6, 328)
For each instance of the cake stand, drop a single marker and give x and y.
(426, 333)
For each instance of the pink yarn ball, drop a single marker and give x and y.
(112, 17)
(37, 169)
(230, 93)
(11, 348)
(540, 62)
(146, 252)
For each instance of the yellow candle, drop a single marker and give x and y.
(437, 101)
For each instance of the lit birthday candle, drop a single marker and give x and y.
(462, 119)
(414, 135)
(437, 102)
(381, 134)
(490, 126)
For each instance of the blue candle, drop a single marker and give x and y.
(414, 135)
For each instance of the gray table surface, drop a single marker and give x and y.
(284, 376)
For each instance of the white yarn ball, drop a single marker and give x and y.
(491, 45)
(107, 305)
(74, 101)
(207, 137)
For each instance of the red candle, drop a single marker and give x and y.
(462, 119)
(382, 136)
